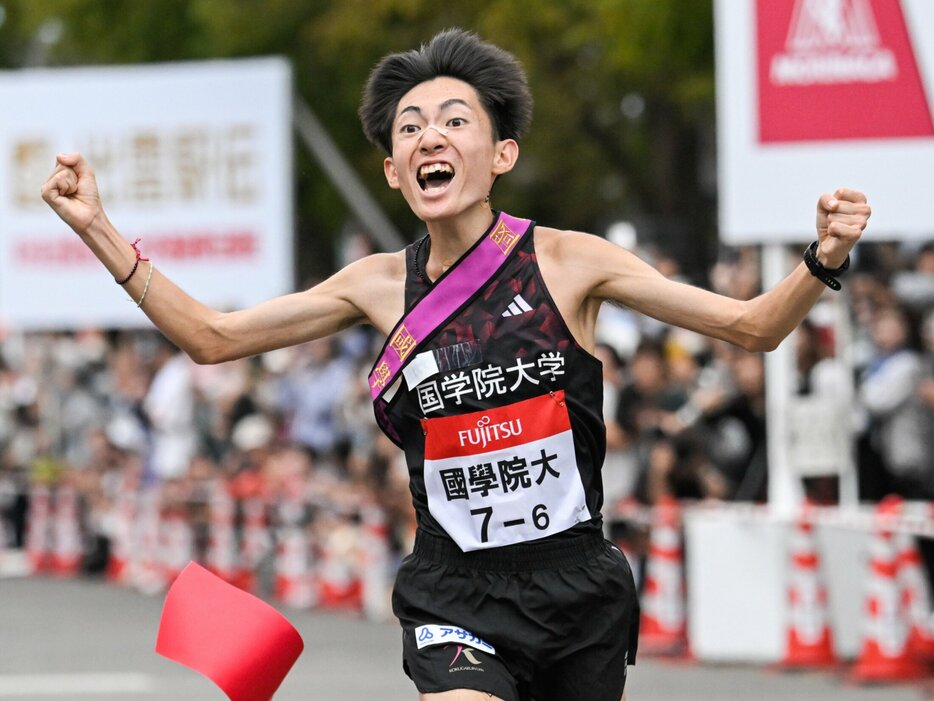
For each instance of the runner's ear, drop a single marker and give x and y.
(392, 176)
(507, 153)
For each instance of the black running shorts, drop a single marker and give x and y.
(551, 620)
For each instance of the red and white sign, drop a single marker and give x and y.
(817, 94)
(505, 475)
(193, 158)
(832, 55)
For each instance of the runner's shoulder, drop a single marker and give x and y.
(377, 269)
(565, 245)
(375, 285)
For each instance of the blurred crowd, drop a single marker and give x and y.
(686, 416)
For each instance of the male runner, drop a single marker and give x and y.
(487, 379)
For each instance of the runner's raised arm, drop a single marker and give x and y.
(356, 294)
(584, 270)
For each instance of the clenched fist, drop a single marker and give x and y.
(841, 218)
(71, 191)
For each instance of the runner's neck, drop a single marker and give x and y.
(451, 238)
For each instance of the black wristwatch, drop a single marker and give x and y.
(828, 276)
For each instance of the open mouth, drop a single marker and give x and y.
(435, 176)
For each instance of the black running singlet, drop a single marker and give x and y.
(500, 414)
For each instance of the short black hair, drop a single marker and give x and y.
(495, 74)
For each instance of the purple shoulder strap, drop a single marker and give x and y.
(445, 298)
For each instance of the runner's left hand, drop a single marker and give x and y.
(841, 218)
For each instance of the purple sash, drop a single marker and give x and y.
(448, 294)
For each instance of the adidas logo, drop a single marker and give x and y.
(517, 306)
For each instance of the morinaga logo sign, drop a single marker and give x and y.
(837, 69)
(833, 41)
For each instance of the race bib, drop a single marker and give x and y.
(505, 475)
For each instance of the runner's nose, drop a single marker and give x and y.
(433, 138)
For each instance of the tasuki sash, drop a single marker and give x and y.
(449, 294)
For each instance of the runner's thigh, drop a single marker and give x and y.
(459, 695)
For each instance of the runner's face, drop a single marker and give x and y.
(444, 158)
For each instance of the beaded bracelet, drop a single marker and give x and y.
(139, 257)
(146, 287)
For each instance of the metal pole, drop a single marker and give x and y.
(785, 490)
(352, 190)
(843, 337)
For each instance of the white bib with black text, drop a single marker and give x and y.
(505, 475)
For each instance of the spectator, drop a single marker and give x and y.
(621, 466)
(926, 389)
(822, 376)
(644, 403)
(169, 409)
(649, 394)
(900, 429)
(914, 288)
(735, 432)
(311, 396)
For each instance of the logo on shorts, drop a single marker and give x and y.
(470, 656)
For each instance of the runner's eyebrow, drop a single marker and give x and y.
(410, 108)
(453, 101)
(444, 105)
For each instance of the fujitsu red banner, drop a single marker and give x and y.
(813, 95)
(837, 70)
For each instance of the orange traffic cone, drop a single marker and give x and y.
(884, 656)
(67, 550)
(337, 568)
(255, 543)
(810, 643)
(38, 550)
(663, 626)
(221, 555)
(293, 576)
(177, 543)
(375, 578)
(121, 534)
(293, 572)
(915, 594)
(145, 569)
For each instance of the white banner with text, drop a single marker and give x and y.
(193, 158)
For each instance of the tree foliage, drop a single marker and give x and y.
(624, 115)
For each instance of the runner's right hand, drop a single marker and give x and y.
(71, 191)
